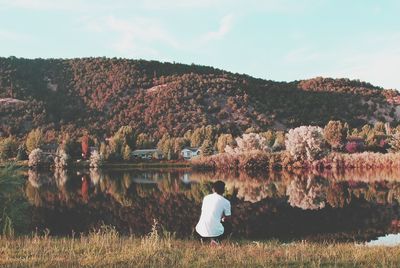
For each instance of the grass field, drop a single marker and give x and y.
(107, 249)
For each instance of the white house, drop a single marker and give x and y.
(188, 153)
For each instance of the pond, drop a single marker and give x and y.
(358, 206)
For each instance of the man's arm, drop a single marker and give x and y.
(227, 213)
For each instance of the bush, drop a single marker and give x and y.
(306, 143)
(37, 158)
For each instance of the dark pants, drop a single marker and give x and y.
(227, 232)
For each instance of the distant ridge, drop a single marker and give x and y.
(102, 94)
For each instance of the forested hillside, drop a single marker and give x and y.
(102, 94)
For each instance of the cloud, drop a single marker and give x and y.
(225, 27)
(59, 5)
(380, 68)
(134, 37)
(302, 55)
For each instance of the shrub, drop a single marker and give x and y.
(306, 143)
(37, 158)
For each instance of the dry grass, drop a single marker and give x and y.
(107, 249)
(366, 160)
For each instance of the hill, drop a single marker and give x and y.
(102, 94)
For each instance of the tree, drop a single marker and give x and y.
(335, 132)
(144, 141)
(279, 143)
(67, 144)
(207, 148)
(394, 142)
(34, 140)
(269, 137)
(247, 143)
(306, 143)
(8, 148)
(223, 141)
(165, 144)
(126, 135)
(127, 153)
(21, 152)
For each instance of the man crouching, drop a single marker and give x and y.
(215, 215)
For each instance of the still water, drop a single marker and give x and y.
(358, 206)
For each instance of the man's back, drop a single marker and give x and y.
(213, 209)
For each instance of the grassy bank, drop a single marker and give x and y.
(105, 249)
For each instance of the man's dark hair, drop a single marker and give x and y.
(219, 187)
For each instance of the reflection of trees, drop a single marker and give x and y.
(37, 179)
(131, 200)
(307, 192)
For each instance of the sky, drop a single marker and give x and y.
(281, 40)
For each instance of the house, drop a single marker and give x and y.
(188, 153)
(148, 154)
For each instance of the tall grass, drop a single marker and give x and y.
(366, 160)
(13, 206)
(105, 248)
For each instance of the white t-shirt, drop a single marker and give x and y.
(214, 207)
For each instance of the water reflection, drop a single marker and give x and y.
(280, 205)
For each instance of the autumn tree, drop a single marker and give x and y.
(306, 143)
(207, 148)
(34, 140)
(144, 141)
(223, 141)
(335, 132)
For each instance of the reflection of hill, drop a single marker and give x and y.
(282, 206)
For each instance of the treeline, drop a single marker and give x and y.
(101, 94)
(334, 146)
(304, 144)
